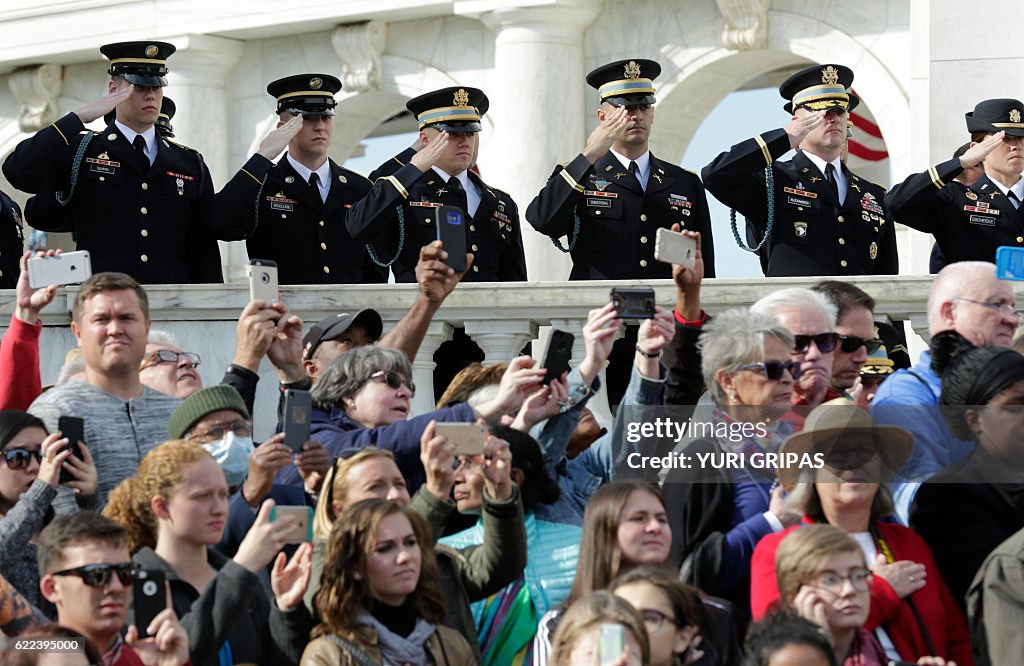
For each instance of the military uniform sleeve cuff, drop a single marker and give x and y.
(257, 168)
(942, 174)
(69, 127)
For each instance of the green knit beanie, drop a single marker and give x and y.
(201, 403)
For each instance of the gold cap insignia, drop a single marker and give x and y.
(1014, 116)
(800, 229)
(830, 75)
(316, 83)
(461, 97)
(873, 251)
(632, 70)
(151, 51)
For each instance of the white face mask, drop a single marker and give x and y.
(232, 454)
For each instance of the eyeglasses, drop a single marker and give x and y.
(1003, 309)
(773, 369)
(393, 379)
(241, 428)
(826, 342)
(831, 581)
(655, 620)
(98, 575)
(19, 459)
(168, 356)
(851, 343)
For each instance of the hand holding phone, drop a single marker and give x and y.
(297, 408)
(149, 598)
(673, 247)
(66, 268)
(468, 438)
(73, 428)
(633, 303)
(303, 516)
(451, 231)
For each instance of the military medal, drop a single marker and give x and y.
(971, 195)
(601, 184)
(873, 250)
(800, 229)
(181, 186)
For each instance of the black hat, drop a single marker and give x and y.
(997, 115)
(625, 82)
(331, 328)
(820, 87)
(457, 109)
(139, 63)
(163, 122)
(306, 94)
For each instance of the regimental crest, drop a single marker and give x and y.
(830, 76)
(316, 83)
(1014, 116)
(151, 51)
(461, 97)
(601, 184)
(104, 155)
(800, 229)
(632, 70)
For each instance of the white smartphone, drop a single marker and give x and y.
(673, 247)
(66, 268)
(468, 438)
(263, 281)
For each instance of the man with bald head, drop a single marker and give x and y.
(968, 298)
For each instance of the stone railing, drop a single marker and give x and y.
(501, 318)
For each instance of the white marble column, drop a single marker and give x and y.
(537, 105)
(423, 367)
(501, 340)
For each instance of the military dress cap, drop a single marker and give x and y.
(306, 94)
(456, 109)
(163, 121)
(997, 115)
(878, 365)
(331, 328)
(818, 88)
(139, 63)
(625, 82)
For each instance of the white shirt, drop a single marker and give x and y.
(1017, 189)
(840, 176)
(472, 192)
(323, 173)
(867, 546)
(149, 136)
(643, 166)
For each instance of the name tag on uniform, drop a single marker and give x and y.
(797, 201)
(101, 166)
(983, 220)
(425, 204)
(598, 193)
(599, 203)
(282, 203)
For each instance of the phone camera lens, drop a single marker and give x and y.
(149, 588)
(265, 278)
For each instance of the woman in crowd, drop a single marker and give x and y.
(30, 471)
(578, 639)
(174, 510)
(912, 612)
(378, 600)
(670, 611)
(717, 513)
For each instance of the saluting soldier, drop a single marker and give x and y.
(397, 217)
(138, 202)
(294, 211)
(611, 199)
(969, 221)
(12, 242)
(824, 219)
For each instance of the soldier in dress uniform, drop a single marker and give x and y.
(294, 211)
(12, 242)
(611, 199)
(969, 221)
(138, 202)
(825, 220)
(397, 217)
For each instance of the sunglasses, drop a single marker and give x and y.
(393, 379)
(20, 458)
(851, 343)
(826, 342)
(773, 369)
(168, 356)
(98, 575)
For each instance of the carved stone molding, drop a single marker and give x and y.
(746, 24)
(36, 89)
(360, 47)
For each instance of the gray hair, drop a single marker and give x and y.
(797, 298)
(70, 369)
(955, 280)
(347, 373)
(160, 337)
(734, 338)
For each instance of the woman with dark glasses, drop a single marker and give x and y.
(31, 463)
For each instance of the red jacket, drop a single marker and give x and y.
(20, 383)
(939, 613)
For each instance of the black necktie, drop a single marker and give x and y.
(1012, 196)
(830, 176)
(314, 184)
(635, 170)
(140, 147)
(455, 186)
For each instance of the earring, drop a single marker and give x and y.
(356, 575)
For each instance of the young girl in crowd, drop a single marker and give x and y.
(670, 611)
(578, 639)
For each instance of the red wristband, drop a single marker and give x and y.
(697, 323)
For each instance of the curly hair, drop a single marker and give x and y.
(161, 472)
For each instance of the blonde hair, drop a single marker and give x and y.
(162, 471)
(803, 553)
(601, 607)
(335, 488)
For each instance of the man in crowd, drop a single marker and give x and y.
(139, 203)
(816, 217)
(855, 328)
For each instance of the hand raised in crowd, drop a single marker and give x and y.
(275, 142)
(496, 465)
(83, 472)
(312, 465)
(688, 280)
(264, 539)
(289, 582)
(436, 278)
(30, 302)
(256, 329)
(167, 644)
(598, 337)
(542, 404)
(607, 132)
(104, 105)
(810, 606)
(777, 505)
(52, 455)
(798, 128)
(438, 457)
(520, 379)
(264, 463)
(655, 334)
(978, 151)
(905, 577)
(285, 350)
(428, 156)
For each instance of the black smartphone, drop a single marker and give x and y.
(73, 428)
(557, 355)
(451, 231)
(297, 406)
(149, 598)
(633, 303)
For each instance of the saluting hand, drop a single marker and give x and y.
(976, 154)
(798, 128)
(104, 105)
(428, 156)
(277, 141)
(607, 132)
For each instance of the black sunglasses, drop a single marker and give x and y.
(773, 369)
(851, 343)
(826, 342)
(394, 379)
(20, 458)
(98, 575)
